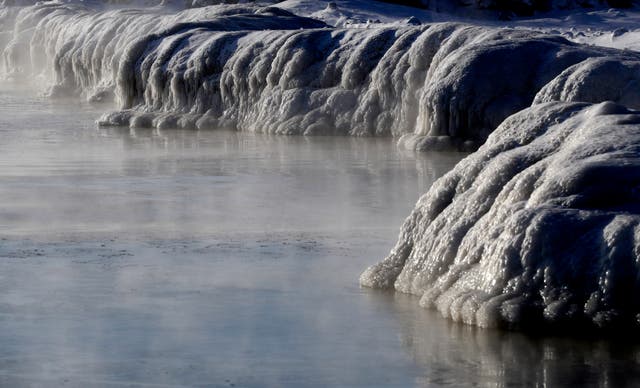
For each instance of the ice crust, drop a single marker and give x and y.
(266, 70)
(540, 225)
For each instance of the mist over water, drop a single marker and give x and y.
(64, 175)
(217, 258)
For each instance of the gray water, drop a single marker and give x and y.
(188, 258)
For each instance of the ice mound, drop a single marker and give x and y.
(443, 85)
(596, 80)
(540, 226)
(487, 76)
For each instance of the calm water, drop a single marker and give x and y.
(185, 258)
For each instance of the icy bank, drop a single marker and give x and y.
(443, 85)
(541, 224)
(268, 70)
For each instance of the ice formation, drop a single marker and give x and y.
(596, 80)
(541, 224)
(268, 70)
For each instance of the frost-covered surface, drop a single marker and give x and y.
(265, 69)
(541, 224)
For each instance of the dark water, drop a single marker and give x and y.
(186, 258)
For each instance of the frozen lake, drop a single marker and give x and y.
(185, 258)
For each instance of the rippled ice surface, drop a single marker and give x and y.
(184, 258)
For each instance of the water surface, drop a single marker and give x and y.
(216, 258)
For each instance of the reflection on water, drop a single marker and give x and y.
(452, 354)
(68, 176)
(188, 258)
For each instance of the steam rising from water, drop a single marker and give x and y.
(172, 257)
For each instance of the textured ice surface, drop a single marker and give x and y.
(540, 224)
(596, 80)
(267, 70)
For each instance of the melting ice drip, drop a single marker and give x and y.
(539, 225)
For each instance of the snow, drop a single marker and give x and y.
(360, 13)
(540, 225)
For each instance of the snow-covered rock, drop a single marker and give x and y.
(540, 225)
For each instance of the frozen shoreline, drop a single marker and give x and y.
(433, 87)
(264, 69)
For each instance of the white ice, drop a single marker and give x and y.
(541, 224)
